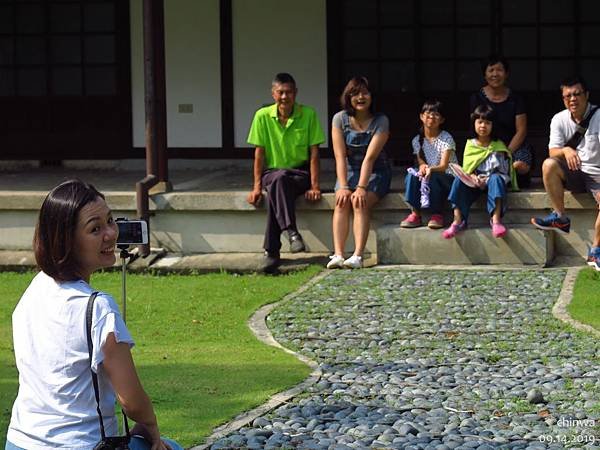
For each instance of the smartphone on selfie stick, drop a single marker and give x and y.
(131, 232)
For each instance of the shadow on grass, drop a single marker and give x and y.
(190, 400)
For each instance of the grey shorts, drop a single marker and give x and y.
(578, 181)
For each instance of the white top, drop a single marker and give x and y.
(55, 406)
(434, 148)
(563, 127)
(496, 162)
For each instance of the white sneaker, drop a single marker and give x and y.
(336, 262)
(354, 262)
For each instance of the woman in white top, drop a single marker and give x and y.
(56, 406)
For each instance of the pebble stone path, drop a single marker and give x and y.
(437, 359)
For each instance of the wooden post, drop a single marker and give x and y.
(155, 94)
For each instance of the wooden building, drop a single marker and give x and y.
(72, 71)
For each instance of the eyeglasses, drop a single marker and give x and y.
(434, 115)
(572, 94)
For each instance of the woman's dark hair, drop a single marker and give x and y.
(54, 238)
(494, 59)
(433, 106)
(354, 86)
(484, 112)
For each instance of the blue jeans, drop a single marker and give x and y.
(137, 443)
(439, 187)
(462, 196)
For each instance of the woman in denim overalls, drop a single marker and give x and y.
(362, 167)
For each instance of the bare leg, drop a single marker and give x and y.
(553, 183)
(458, 218)
(521, 167)
(596, 242)
(362, 221)
(497, 214)
(341, 227)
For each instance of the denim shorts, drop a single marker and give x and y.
(379, 181)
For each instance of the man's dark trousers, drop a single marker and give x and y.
(283, 186)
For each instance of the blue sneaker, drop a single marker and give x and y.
(552, 222)
(593, 258)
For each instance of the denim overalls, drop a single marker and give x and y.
(357, 143)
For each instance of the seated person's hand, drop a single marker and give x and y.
(254, 197)
(342, 197)
(572, 158)
(150, 435)
(359, 198)
(423, 168)
(479, 180)
(427, 173)
(313, 194)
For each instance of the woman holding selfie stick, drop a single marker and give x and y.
(56, 403)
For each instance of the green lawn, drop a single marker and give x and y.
(585, 306)
(197, 358)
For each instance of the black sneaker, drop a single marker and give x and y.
(271, 262)
(296, 242)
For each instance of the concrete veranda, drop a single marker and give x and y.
(21, 184)
(206, 224)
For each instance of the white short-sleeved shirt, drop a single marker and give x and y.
(434, 148)
(563, 127)
(55, 406)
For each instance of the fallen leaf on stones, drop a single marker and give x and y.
(543, 413)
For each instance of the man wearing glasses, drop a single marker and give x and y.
(574, 161)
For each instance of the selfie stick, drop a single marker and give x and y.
(124, 255)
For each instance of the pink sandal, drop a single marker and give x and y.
(454, 229)
(498, 230)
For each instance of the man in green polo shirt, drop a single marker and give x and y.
(286, 136)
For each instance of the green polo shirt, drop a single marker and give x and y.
(286, 146)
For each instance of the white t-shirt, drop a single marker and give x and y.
(433, 149)
(563, 127)
(55, 406)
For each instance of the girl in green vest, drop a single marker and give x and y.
(488, 164)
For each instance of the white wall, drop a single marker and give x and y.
(192, 51)
(271, 36)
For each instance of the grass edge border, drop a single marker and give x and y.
(258, 325)
(559, 310)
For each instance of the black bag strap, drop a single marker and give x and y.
(88, 322)
(581, 129)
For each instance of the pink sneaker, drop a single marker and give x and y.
(498, 230)
(453, 230)
(412, 221)
(436, 222)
